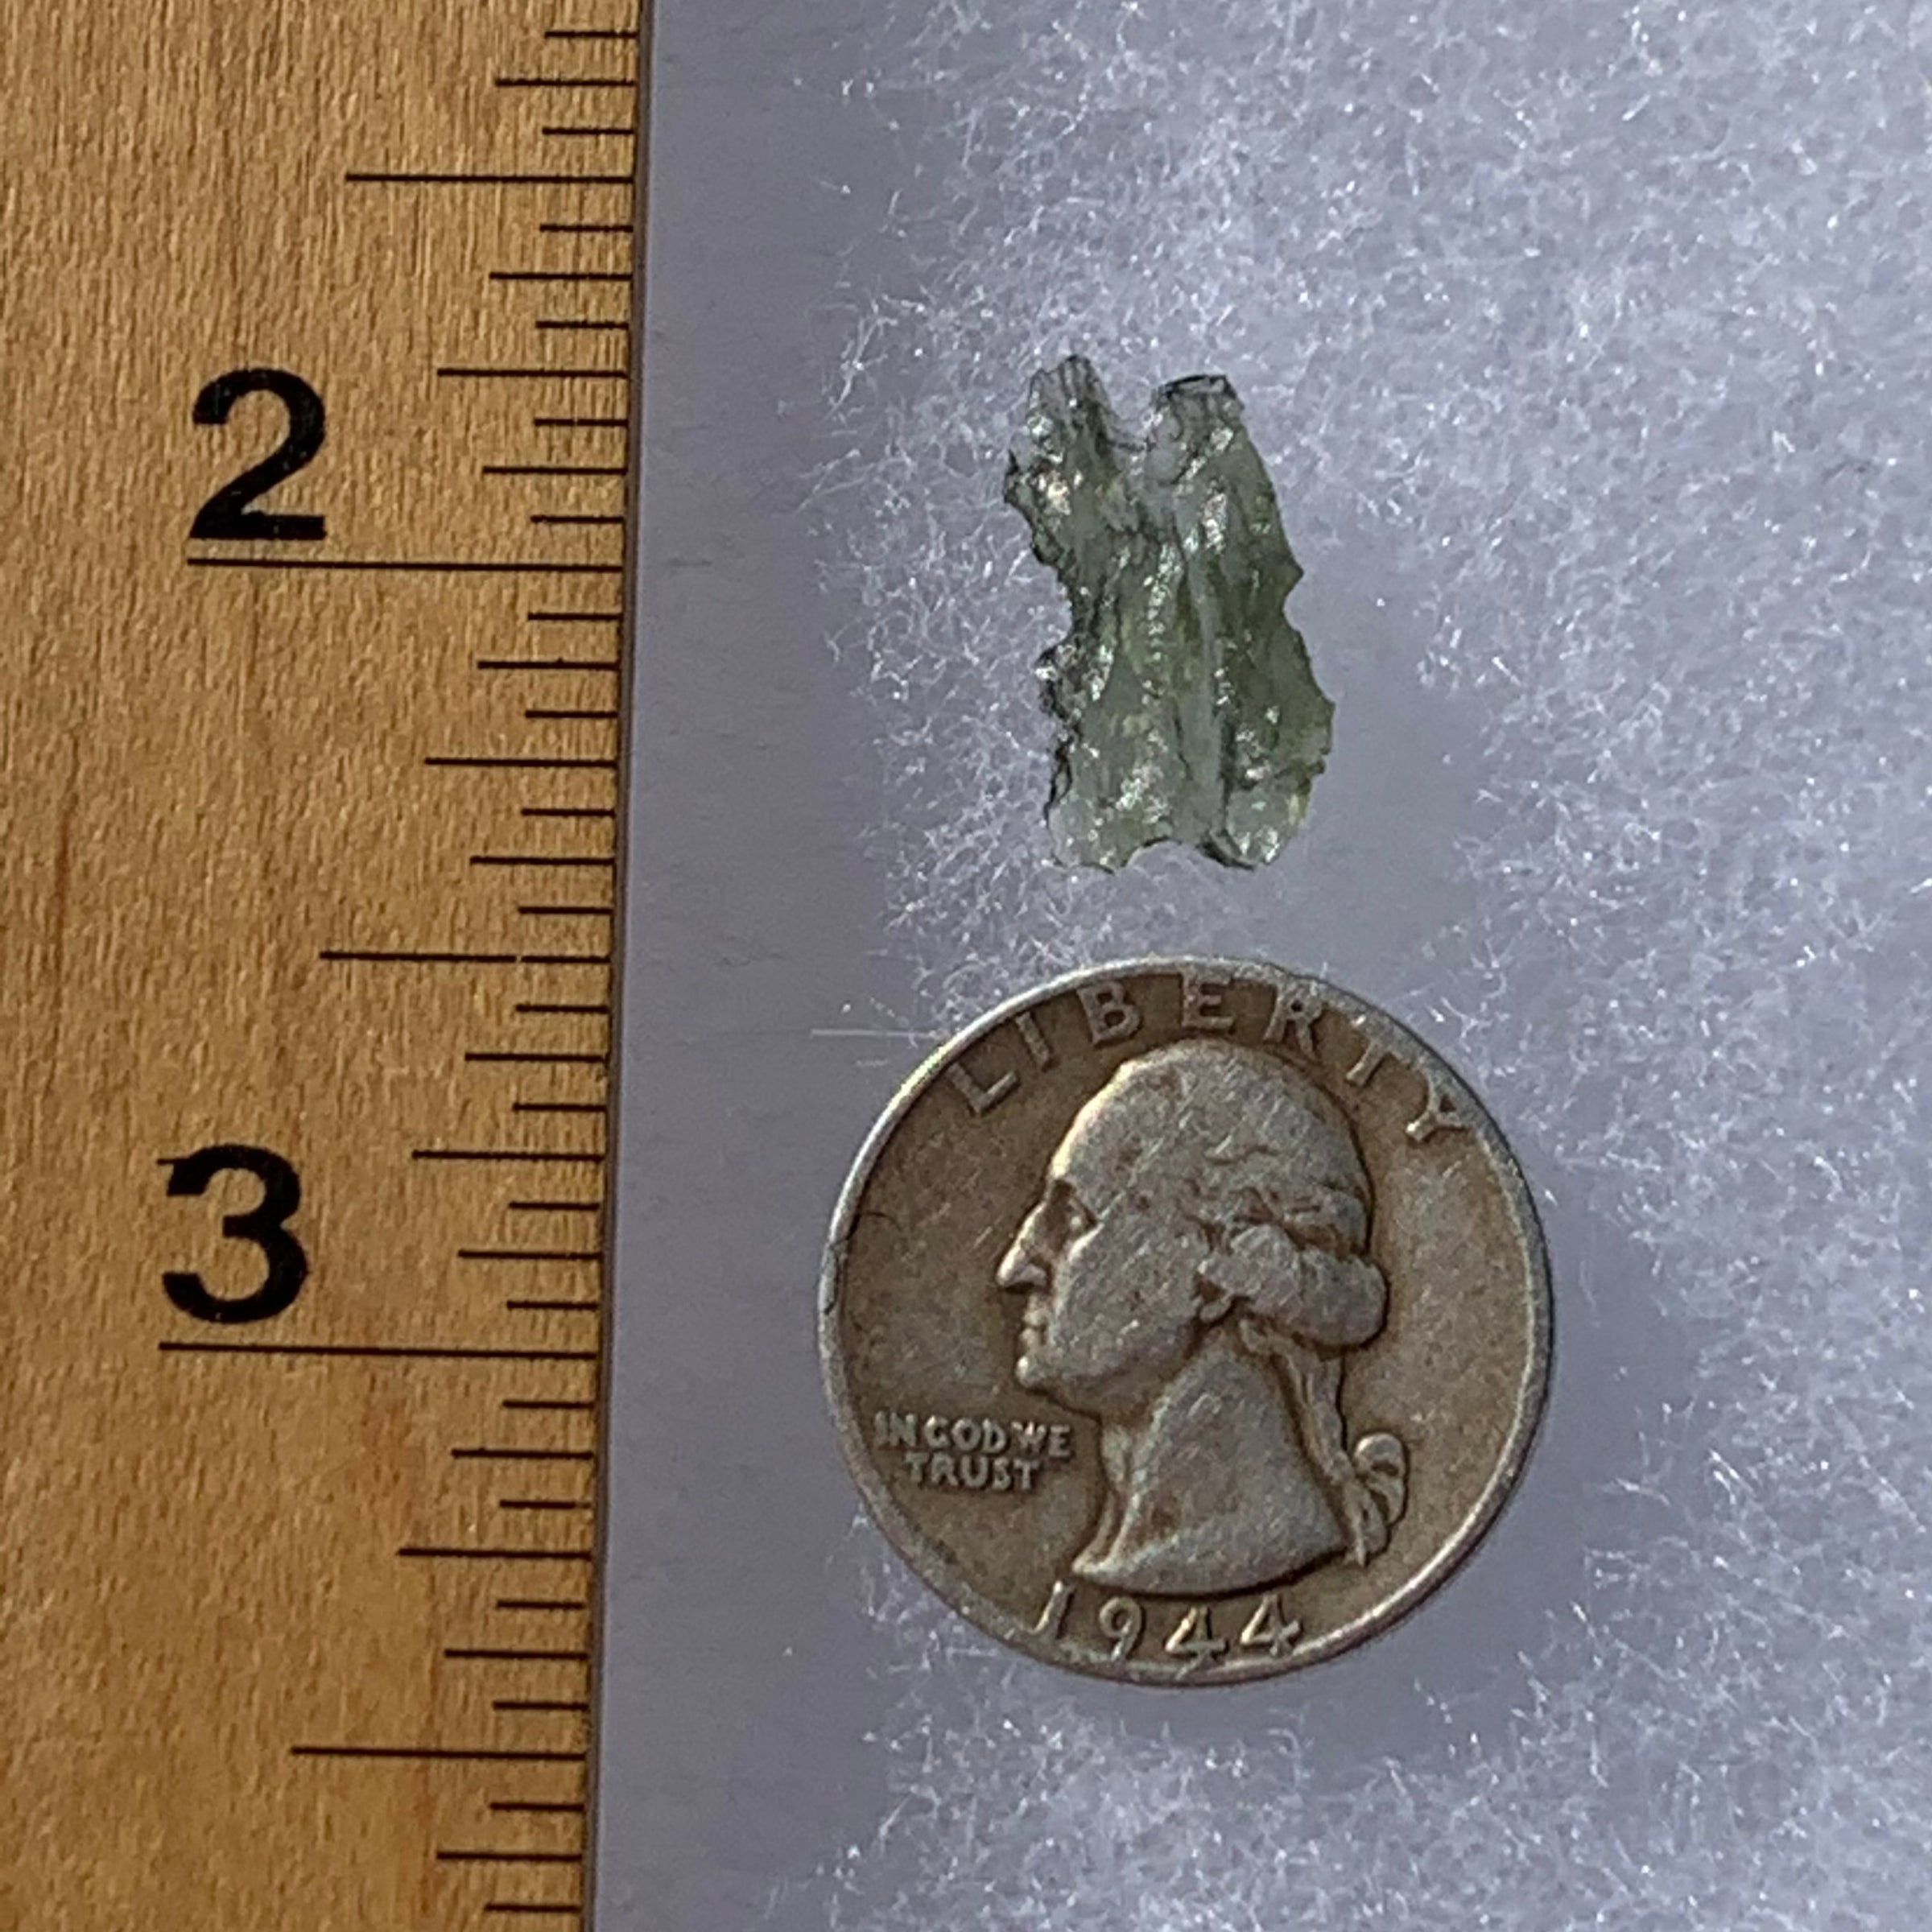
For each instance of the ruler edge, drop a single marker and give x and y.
(618, 1024)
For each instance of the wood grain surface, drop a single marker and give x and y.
(309, 847)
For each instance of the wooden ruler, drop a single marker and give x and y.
(316, 405)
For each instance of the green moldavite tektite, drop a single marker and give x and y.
(1186, 706)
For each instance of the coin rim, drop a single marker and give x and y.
(944, 1577)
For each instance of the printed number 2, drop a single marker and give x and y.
(262, 1225)
(226, 512)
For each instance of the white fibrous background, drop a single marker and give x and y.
(1587, 348)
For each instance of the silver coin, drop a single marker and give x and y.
(1184, 1321)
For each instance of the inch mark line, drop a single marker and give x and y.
(441, 1754)
(481, 1454)
(620, 132)
(542, 1603)
(554, 1207)
(539, 1804)
(573, 1705)
(544, 1402)
(525, 566)
(382, 1353)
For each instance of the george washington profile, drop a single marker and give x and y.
(1196, 1275)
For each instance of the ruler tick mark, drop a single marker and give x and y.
(536, 1154)
(473, 1654)
(526, 374)
(529, 1254)
(418, 959)
(593, 82)
(465, 1552)
(458, 178)
(554, 860)
(495, 1057)
(436, 1753)
(384, 1352)
(371, 956)
(604, 664)
(532, 567)
(515, 1858)
(468, 762)
(464, 761)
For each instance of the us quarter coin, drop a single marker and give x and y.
(1184, 1321)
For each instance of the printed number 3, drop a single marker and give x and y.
(262, 1225)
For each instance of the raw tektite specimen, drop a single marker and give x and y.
(1187, 706)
